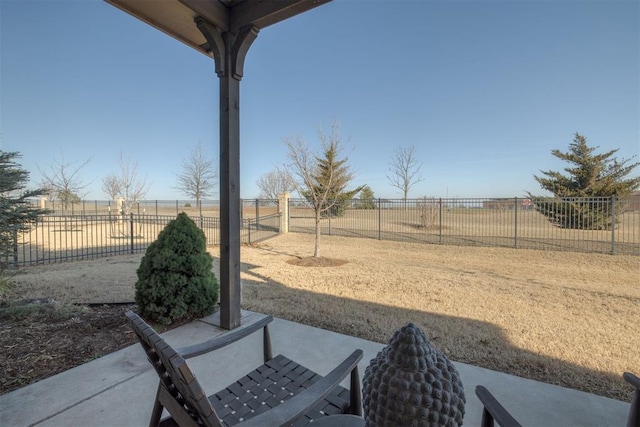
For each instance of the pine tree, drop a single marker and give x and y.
(591, 175)
(332, 177)
(175, 277)
(320, 179)
(367, 198)
(16, 211)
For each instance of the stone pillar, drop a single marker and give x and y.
(120, 209)
(283, 210)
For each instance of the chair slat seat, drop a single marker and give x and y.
(271, 385)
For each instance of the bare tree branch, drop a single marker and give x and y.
(404, 170)
(126, 184)
(273, 184)
(64, 181)
(198, 176)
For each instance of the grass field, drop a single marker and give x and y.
(564, 318)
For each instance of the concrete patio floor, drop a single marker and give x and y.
(118, 389)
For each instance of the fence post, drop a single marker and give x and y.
(613, 224)
(515, 226)
(257, 214)
(440, 220)
(131, 230)
(176, 208)
(379, 218)
(329, 212)
(248, 228)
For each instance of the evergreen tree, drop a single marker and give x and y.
(16, 212)
(591, 175)
(331, 179)
(175, 277)
(367, 199)
(320, 179)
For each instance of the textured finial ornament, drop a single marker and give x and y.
(410, 383)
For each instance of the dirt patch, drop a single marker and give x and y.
(42, 338)
(316, 262)
(563, 318)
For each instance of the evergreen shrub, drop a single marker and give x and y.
(175, 277)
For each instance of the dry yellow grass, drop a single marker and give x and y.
(563, 318)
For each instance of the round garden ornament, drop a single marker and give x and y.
(411, 383)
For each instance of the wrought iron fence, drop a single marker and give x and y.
(57, 237)
(94, 229)
(601, 225)
(251, 208)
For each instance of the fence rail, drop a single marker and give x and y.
(56, 238)
(601, 225)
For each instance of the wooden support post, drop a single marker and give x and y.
(229, 50)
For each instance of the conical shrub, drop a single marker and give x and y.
(175, 277)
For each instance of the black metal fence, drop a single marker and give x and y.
(93, 229)
(55, 237)
(601, 225)
(251, 208)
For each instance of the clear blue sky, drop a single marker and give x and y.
(483, 89)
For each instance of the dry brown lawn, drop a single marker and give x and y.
(563, 318)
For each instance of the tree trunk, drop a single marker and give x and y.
(316, 249)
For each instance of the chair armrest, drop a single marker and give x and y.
(633, 419)
(632, 379)
(295, 408)
(223, 340)
(493, 410)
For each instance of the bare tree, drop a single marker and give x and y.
(274, 183)
(429, 208)
(64, 181)
(126, 184)
(321, 179)
(404, 170)
(198, 176)
(111, 186)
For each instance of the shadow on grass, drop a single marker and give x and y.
(463, 340)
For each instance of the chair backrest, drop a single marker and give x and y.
(175, 376)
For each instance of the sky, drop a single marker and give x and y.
(483, 89)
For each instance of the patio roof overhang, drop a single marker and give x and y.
(223, 30)
(176, 17)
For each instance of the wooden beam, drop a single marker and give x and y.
(268, 12)
(169, 16)
(213, 11)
